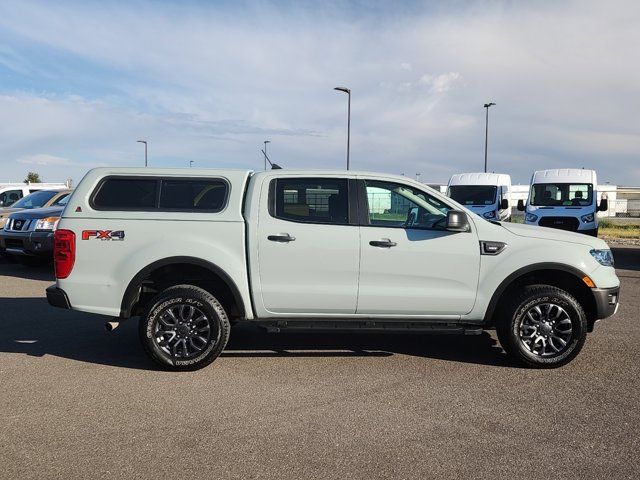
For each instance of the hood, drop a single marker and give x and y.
(38, 213)
(533, 231)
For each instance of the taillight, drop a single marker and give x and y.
(64, 252)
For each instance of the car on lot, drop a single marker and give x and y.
(28, 234)
(190, 252)
(37, 199)
(10, 193)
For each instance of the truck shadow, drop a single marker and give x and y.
(14, 269)
(30, 326)
(626, 258)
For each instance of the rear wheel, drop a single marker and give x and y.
(544, 327)
(184, 328)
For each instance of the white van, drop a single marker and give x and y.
(486, 194)
(564, 198)
(10, 193)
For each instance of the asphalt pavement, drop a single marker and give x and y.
(78, 402)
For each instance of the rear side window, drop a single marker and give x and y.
(193, 195)
(312, 200)
(126, 194)
(162, 194)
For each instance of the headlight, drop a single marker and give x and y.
(531, 217)
(603, 257)
(491, 214)
(48, 223)
(587, 218)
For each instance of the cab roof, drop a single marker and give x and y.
(564, 175)
(481, 178)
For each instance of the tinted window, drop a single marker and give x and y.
(127, 193)
(473, 194)
(561, 194)
(312, 200)
(35, 200)
(206, 195)
(10, 197)
(396, 205)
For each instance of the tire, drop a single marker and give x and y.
(184, 328)
(536, 323)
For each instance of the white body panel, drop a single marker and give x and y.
(328, 271)
(502, 182)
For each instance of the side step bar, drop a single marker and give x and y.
(391, 326)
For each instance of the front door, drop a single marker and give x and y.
(410, 265)
(309, 247)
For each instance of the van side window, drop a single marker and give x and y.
(311, 200)
(126, 194)
(10, 197)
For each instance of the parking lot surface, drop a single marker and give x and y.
(77, 402)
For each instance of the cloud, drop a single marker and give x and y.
(43, 159)
(210, 83)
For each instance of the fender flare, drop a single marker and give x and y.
(493, 303)
(131, 291)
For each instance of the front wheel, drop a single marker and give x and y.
(544, 327)
(184, 328)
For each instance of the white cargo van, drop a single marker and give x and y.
(564, 198)
(486, 194)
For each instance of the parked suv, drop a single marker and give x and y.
(37, 199)
(191, 251)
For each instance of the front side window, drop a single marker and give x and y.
(561, 194)
(35, 200)
(312, 200)
(401, 206)
(473, 194)
(10, 197)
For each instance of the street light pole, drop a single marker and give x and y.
(486, 134)
(145, 150)
(190, 163)
(348, 92)
(265, 153)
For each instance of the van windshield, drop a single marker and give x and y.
(473, 194)
(561, 194)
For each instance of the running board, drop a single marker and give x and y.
(276, 326)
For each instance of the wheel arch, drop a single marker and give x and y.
(560, 275)
(133, 292)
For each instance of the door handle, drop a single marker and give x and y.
(283, 237)
(384, 243)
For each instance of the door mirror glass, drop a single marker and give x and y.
(521, 205)
(504, 204)
(604, 205)
(457, 221)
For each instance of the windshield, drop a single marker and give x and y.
(561, 194)
(34, 200)
(473, 194)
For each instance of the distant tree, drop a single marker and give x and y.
(32, 177)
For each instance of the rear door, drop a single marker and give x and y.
(409, 264)
(309, 246)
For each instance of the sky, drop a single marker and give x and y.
(208, 82)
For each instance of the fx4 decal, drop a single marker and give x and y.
(103, 234)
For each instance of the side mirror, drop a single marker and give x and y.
(457, 221)
(604, 205)
(521, 205)
(504, 204)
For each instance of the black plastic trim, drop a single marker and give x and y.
(57, 297)
(131, 293)
(606, 301)
(523, 271)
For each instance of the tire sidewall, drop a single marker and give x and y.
(578, 326)
(212, 309)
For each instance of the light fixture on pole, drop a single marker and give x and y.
(348, 92)
(486, 134)
(265, 153)
(145, 150)
(418, 177)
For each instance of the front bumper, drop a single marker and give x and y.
(607, 301)
(57, 297)
(27, 243)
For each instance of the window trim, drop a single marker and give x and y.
(363, 204)
(159, 181)
(352, 217)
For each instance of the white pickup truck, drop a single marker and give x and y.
(192, 251)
